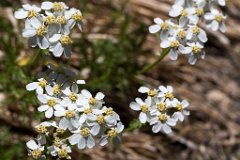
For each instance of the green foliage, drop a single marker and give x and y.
(134, 124)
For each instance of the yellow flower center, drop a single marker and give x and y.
(57, 141)
(169, 95)
(31, 14)
(184, 13)
(162, 106)
(88, 110)
(65, 40)
(41, 129)
(195, 30)
(144, 108)
(179, 107)
(174, 44)
(112, 133)
(42, 83)
(152, 93)
(57, 6)
(50, 19)
(85, 132)
(77, 16)
(196, 49)
(41, 31)
(100, 119)
(69, 114)
(61, 20)
(108, 111)
(163, 117)
(36, 153)
(181, 33)
(164, 26)
(73, 97)
(60, 131)
(51, 102)
(218, 18)
(92, 101)
(199, 11)
(57, 89)
(62, 153)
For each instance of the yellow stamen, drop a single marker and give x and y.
(88, 110)
(175, 44)
(218, 18)
(195, 30)
(152, 93)
(179, 107)
(41, 129)
(164, 26)
(112, 133)
(184, 13)
(85, 132)
(50, 19)
(77, 16)
(61, 20)
(73, 97)
(196, 49)
(92, 101)
(199, 11)
(163, 118)
(51, 102)
(41, 31)
(62, 153)
(36, 153)
(42, 83)
(57, 6)
(169, 95)
(31, 14)
(108, 111)
(57, 89)
(181, 33)
(65, 40)
(100, 119)
(162, 106)
(69, 114)
(144, 108)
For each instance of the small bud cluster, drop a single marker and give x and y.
(160, 109)
(74, 117)
(182, 34)
(50, 26)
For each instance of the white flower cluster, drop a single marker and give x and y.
(182, 33)
(160, 109)
(74, 117)
(50, 26)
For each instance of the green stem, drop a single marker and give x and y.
(150, 66)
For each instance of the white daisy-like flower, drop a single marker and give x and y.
(215, 20)
(55, 6)
(52, 26)
(176, 47)
(69, 120)
(36, 34)
(160, 26)
(166, 93)
(150, 92)
(27, 11)
(48, 104)
(93, 101)
(60, 151)
(83, 137)
(38, 86)
(195, 33)
(75, 18)
(162, 122)
(196, 51)
(112, 134)
(142, 106)
(35, 149)
(110, 116)
(181, 111)
(60, 44)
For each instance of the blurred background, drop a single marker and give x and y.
(115, 45)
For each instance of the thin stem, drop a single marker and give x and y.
(150, 66)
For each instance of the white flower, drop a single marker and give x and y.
(196, 51)
(93, 101)
(215, 20)
(27, 11)
(69, 120)
(160, 26)
(36, 34)
(110, 116)
(176, 47)
(60, 44)
(60, 151)
(38, 86)
(162, 122)
(56, 6)
(83, 137)
(75, 17)
(142, 106)
(150, 92)
(48, 103)
(113, 134)
(196, 34)
(166, 93)
(35, 150)
(181, 110)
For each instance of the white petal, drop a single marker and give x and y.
(90, 142)
(20, 14)
(32, 145)
(47, 5)
(43, 108)
(43, 42)
(143, 117)
(32, 86)
(167, 129)
(35, 22)
(99, 96)
(103, 141)
(81, 82)
(42, 98)
(29, 32)
(192, 59)
(58, 50)
(222, 27)
(157, 127)
(143, 89)
(214, 25)
(82, 143)
(55, 38)
(173, 54)
(95, 130)
(86, 93)
(74, 139)
(202, 36)
(158, 20)
(165, 44)
(154, 28)
(49, 90)
(49, 113)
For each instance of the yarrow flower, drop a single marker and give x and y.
(160, 109)
(74, 116)
(183, 29)
(50, 26)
